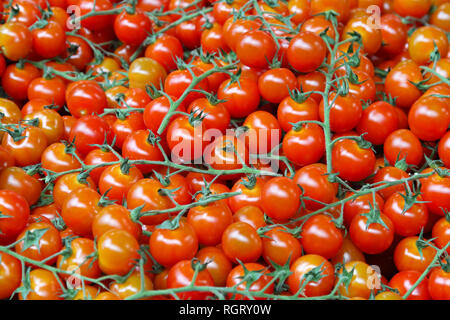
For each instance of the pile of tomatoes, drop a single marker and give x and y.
(230, 149)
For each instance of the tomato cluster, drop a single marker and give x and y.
(225, 149)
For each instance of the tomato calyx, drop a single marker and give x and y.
(374, 216)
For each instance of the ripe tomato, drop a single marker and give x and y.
(361, 204)
(10, 275)
(429, 118)
(165, 50)
(441, 233)
(16, 179)
(15, 40)
(317, 286)
(49, 243)
(280, 198)
(209, 222)
(132, 28)
(133, 285)
(404, 280)
(438, 284)
(435, 191)
(79, 210)
(378, 121)
(373, 238)
(320, 236)
(27, 150)
(275, 84)
(403, 144)
(348, 252)
(216, 114)
(361, 281)
(88, 131)
(178, 81)
(252, 215)
(241, 98)
(422, 42)
(57, 159)
(98, 22)
(218, 264)
(114, 217)
(280, 247)
(290, 111)
(182, 274)
(16, 79)
(50, 122)
(116, 181)
(408, 257)
(84, 98)
(49, 41)
(315, 185)
(171, 246)
(398, 83)
(393, 34)
(241, 241)
(80, 259)
(237, 277)
(390, 173)
(408, 220)
(117, 252)
(306, 51)
(345, 112)
(256, 48)
(44, 286)
(139, 145)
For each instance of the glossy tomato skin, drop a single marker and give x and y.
(439, 284)
(219, 265)
(403, 144)
(280, 198)
(132, 28)
(10, 275)
(361, 204)
(441, 233)
(26, 151)
(235, 278)
(84, 98)
(114, 217)
(359, 285)
(49, 244)
(241, 99)
(209, 222)
(16, 40)
(166, 50)
(255, 48)
(303, 265)
(352, 162)
(315, 184)
(139, 146)
(320, 229)
(275, 84)
(116, 182)
(408, 257)
(280, 247)
(146, 193)
(117, 252)
(15, 80)
(289, 111)
(390, 173)
(306, 52)
(90, 130)
(444, 149)
(429, 118)
(345, 112)
(378, 121)
(404, 280)
(49, 41)
(397, 83)
(44, 286)
(17, 180)
(406, 223)
(241, 241)
(171, 246)
(436, 190)
(305, 145)
(79, 210)
(81, 249)
(373, 239)
(181, 275)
